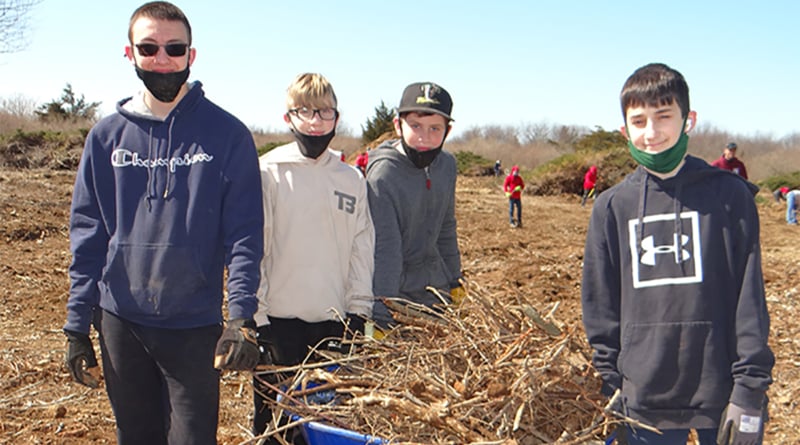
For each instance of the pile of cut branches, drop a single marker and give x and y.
(483, 371)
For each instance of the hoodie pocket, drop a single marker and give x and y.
(673, 366)
(154, 279)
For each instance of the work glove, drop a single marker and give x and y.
(237, 348)
(371, 329)
(268, 353)
(518, 188)
(740, 426)
(458, 294)
(508, 194)
(81, 360)
(355, 323)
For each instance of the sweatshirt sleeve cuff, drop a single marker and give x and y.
(361, 305)
(746, 397)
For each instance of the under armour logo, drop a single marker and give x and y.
(346, 202)
(651, 250)
(662, 255)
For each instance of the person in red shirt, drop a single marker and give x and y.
(361, 162)
(513, 186)
(589, 181)
(729, 161)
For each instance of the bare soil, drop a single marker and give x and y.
(539, 263)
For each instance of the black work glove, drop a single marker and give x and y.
(81, 359)
(269, 355)
(740, 426)
(237, 349)
(355, 323)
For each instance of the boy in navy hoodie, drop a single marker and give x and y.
(673, 294)
(167, 196)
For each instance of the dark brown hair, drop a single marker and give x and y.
(655, 85)
(160, 11)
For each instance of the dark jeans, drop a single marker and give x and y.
(290, 340)
(161, 383)
(670, 437)
(518, 204)
(586, 194)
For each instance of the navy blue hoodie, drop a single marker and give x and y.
(159, 209)
(674, 307)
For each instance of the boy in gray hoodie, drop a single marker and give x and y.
(411, 189)
(672, 294)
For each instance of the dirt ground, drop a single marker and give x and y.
(540, 262)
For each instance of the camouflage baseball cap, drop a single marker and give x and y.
(426, 97)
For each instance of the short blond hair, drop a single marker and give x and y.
(310, 90)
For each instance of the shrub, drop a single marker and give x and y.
(42, 149)
(468, 163)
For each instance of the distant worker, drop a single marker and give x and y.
(589, 181)
(792, 197)
(513, 186)
(729, 161)
(361, 162)
(779, 194)
(497, 168)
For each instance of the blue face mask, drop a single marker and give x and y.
(665, 161)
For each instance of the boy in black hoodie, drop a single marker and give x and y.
(673, 294)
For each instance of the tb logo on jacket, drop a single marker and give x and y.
(664, 250)
(346, 202)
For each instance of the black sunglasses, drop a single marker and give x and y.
(172, 49)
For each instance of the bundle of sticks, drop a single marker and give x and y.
(487, 370)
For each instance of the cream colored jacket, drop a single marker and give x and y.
(319, 239)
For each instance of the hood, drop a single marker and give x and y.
(290, 153)
(391, 151)
(133, 107)
(693, 170)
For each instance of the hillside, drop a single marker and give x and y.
(539, 264)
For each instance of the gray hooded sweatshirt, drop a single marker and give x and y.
(413, 211)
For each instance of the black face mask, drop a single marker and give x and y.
(313, 146)
(420, 159)
(163, 86)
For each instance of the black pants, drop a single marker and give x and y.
(586, 194)
(161, 383)
(290, 340)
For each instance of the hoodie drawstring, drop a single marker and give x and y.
(152, 164)
(677, 223)
(168, 153)
(150, 176)
(640, 216)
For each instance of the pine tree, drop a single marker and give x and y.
(68, 107)
(378, 125)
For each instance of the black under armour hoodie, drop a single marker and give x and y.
(673, 295)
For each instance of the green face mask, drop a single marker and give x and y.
(663, 162)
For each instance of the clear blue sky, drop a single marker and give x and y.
(505, 62)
